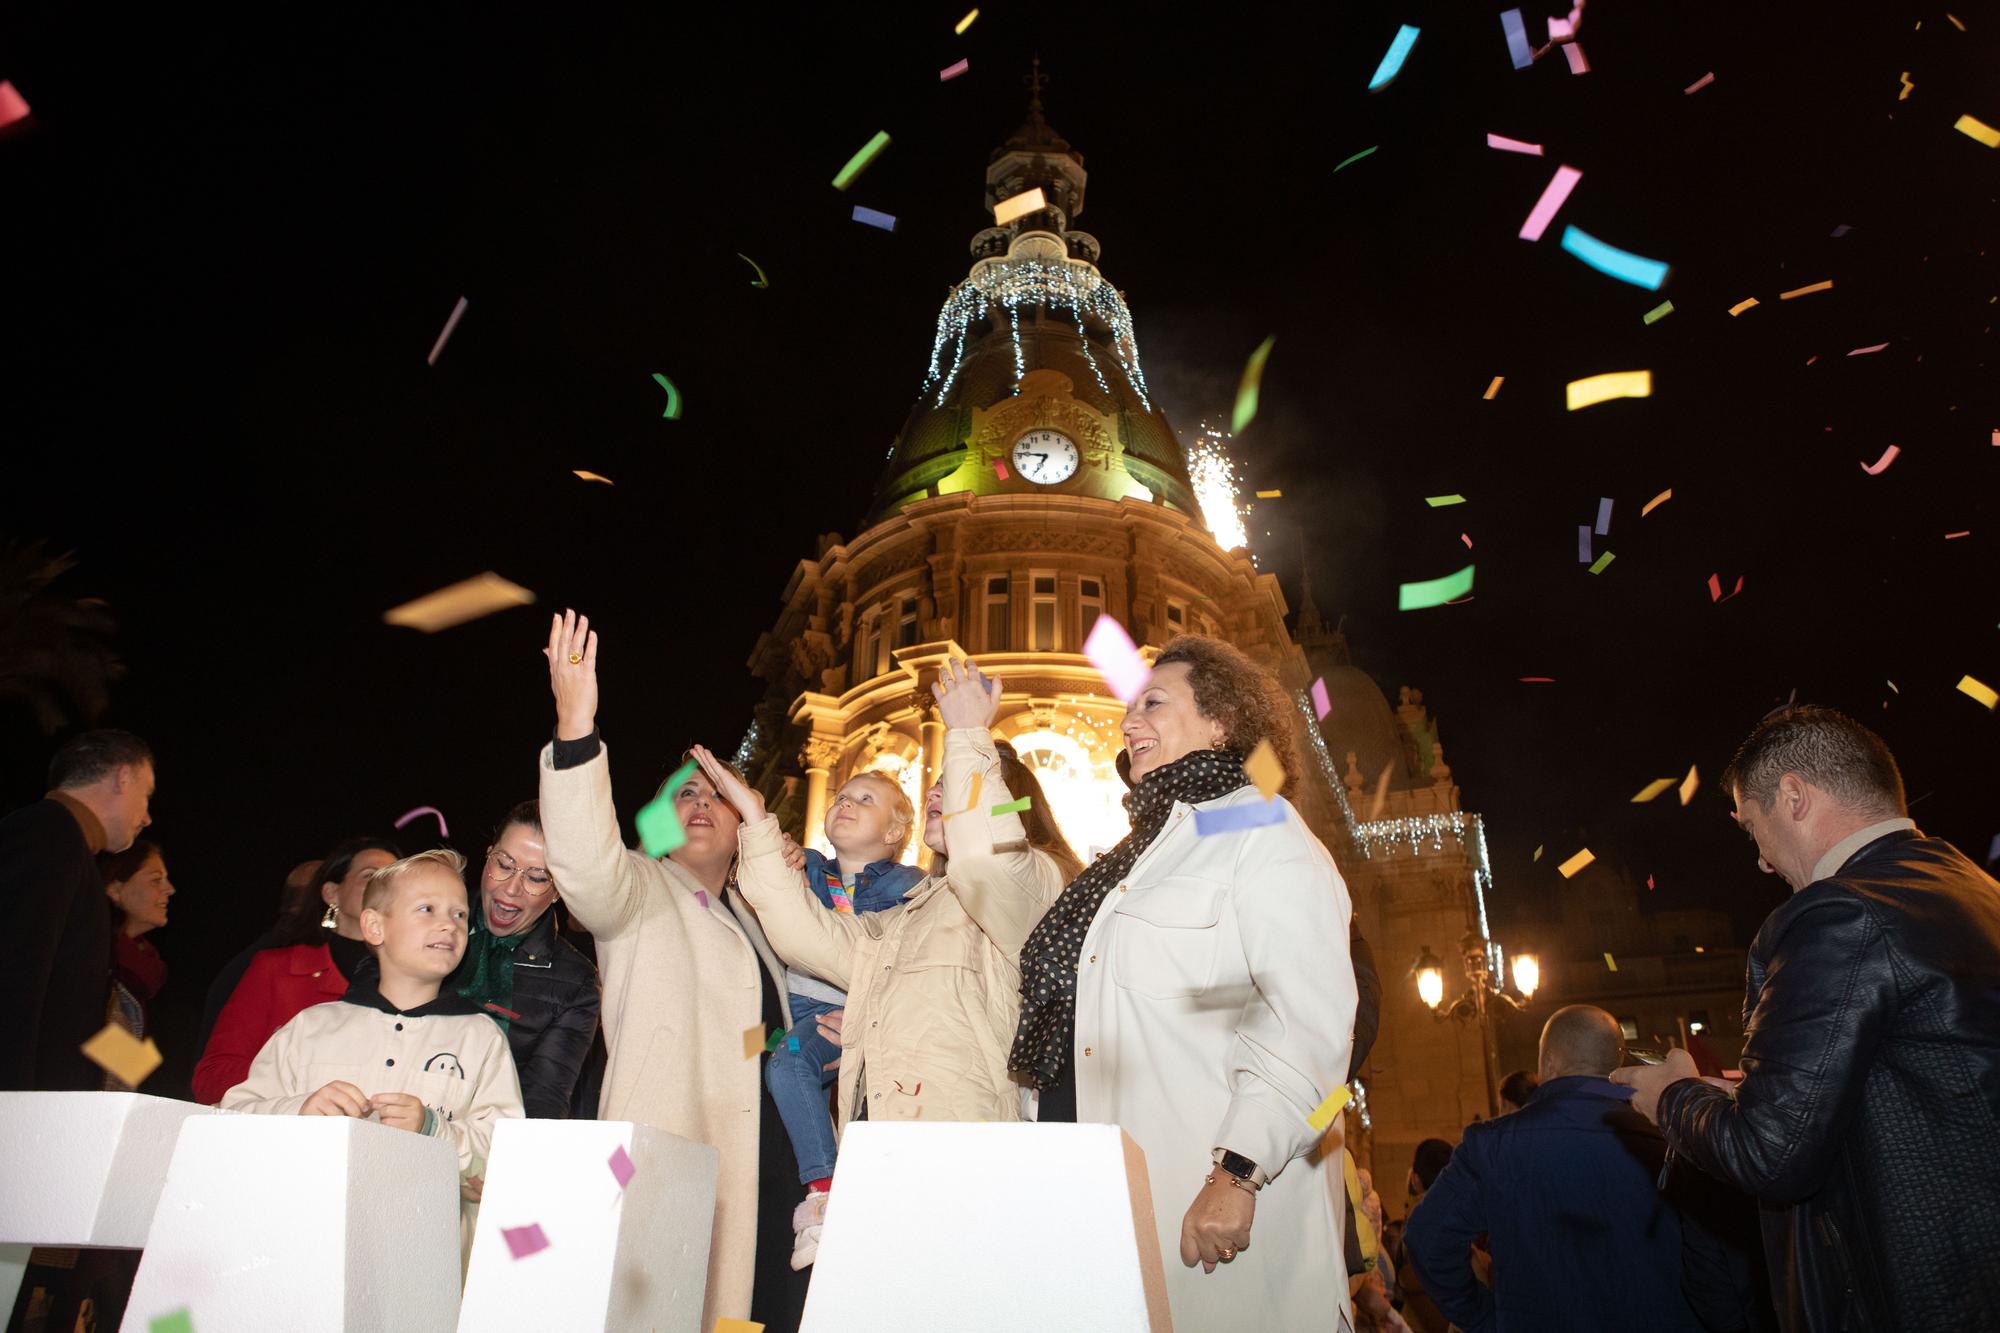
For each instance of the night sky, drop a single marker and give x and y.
(229, 245)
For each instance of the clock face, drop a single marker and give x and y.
(1045, 457)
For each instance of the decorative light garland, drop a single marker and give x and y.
(746, 749)
(1070, 285)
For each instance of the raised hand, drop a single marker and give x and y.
(966, 696)
(572, 654)
(747, 801)
(337, 1098)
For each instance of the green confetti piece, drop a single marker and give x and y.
(762, 281)
(1659, 312)
(1440, 501)
(1252, 383)
(1013, 807)
(660, 830)
(1434, 592)
(859, 162)
(775, 1038)
(673, 412)
(1597, 565)
(177, 1322)
(1357, 157)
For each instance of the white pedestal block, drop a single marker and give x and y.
(312, 1224)
(631, 1258)
(988, 1229)
(81, 1169)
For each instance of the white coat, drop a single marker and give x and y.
(1215, 1008)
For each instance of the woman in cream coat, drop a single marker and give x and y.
(686, 973)
(1197, 990)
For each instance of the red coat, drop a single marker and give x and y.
(275, 987)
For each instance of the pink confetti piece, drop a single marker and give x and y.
(1506, 145)
(1996, 439)
(953, 71)
(621, 1166)
(1876, 468)
(13, 106)
(419, 812)
(1538, 680)
(701, 896)
(1578, 62)
(445, 336)
(524, 1241)
(1552, 198)
(1560, 28)
(1715, 588)
(1700, 83)
(1111, 651)
(1467, 539)
(1864, 351)
(1320, 704)
(1949, 535)
(1000, 468)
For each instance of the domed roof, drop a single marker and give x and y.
(1360, 723)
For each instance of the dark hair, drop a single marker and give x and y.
(1246, 699)
(1038, 820)
(117, 867)
(1518, 1086)
(92, 755)
(1828, 749)
(303, 926)
(1429, 1161)
(528, 813)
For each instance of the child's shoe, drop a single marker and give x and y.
(808, 1219)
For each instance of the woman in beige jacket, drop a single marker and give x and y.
(932, 985)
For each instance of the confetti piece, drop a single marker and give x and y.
(1967, 686)
(1659, 312)
(744, 1325)
(1012, 807)
(1876, 468)
(1235, 818)
(13, 106)
(873, 218)
(1494, 387)
(762, 281)
(1904, 95)
(1979, 130)
(180, 1321)
(1393, 58)
(962, 25)
(1597, 565)
(1381, 793)
(1649, 881)
(1110, 650)
(777, 1039)
(1690, 784)
(1578, 62)
(859, 162)
(1742, 306)
(1603, 388)
(1954, 21)
(1434, 592)
(1575, 863)
(501, 1010)
(753, 1042)
(1506, 145)
(1264, 770)
(1611, 962)
(1613, 262)
(1949, 535)
(1350, 161)
(1552, 198)
(1328, 1109)
(1864, 351)
(1466, 537)
(1537, 856)
(791, 1042)
(469, 600)
(1715, 588)
(1583, 556)
(1806, 291)
(1440, 501)
(127, 1058)
(1842, 229)
(621, 1166)
(450, 323)
(1249, 386)
(524, 1241)
(410, 816)
(1603, 528)
(1538, 680)
(673, 412)
(1657, 501)
(659, 824)
(701, 896)
(1000, 469)
(1009, 210)
(971, 800)
(1518, 50)
(953, 71)
(1270, 495)
(1652, 789)
(592, 476)
(1892, 686)
(1700, 83)
(1321, 705)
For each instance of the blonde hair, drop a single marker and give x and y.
(902, 814)
(381, 890)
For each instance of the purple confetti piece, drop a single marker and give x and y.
(1603, 528)
(451, 323)
(1111, 651)
(1842, 229)
(443, 832)
(873, 218)
(524, 1241)
(1320, 704)
(1517, 39)
(621, 1166)
(1583, 556)
(953, 71)
(1234, 818)
(701, 896)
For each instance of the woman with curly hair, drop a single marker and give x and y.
(1194, 986)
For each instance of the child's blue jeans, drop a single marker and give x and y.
(798, 1085)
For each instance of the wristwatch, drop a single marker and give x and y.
(1247, 1172)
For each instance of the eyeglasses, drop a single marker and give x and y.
(534, 880)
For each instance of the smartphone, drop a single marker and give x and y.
(1646, 1055)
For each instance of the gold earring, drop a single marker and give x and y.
(330, 918)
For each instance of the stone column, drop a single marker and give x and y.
(818, 758)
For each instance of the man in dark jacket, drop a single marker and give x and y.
(1868, 1119)
(55, 922)
(1582, 1238)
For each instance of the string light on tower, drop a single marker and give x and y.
(1214, 475)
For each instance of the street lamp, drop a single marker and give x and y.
(1527, 974)
(1475, 1004)
(1430, 978)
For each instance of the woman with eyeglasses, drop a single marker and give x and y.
(537, 985)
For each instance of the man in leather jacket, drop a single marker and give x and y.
(1868, 1118)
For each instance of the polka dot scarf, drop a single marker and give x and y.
(1048, 960)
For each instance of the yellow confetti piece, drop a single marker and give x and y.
(1602, 388)
(1611, 962)
(592, 476)
(469, 600)
(744, 1325)
(1975, 689)
(1328, 1109)
(1653, 789)
(1264, 770)
(1269, 495)
(1537, 856)
(1742, 305)
(1806, 291)
(1009, 210)
(1690, 784)
(978, 776)
(1979, 130)
(963, 24)
(123, 1055)
(1657, 501)
(1576, 863)
(753, 1042)
(1494, 387)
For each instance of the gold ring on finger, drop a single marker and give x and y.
(574, 658)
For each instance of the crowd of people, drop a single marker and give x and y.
(1207, 993)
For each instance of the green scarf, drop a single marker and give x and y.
(485, 975)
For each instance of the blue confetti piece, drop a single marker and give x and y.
(874, 219)
(1235, 818)
(1613, 262)
(1603, 517)
(792, 1043)
(1518, 49)
(1392, 60)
